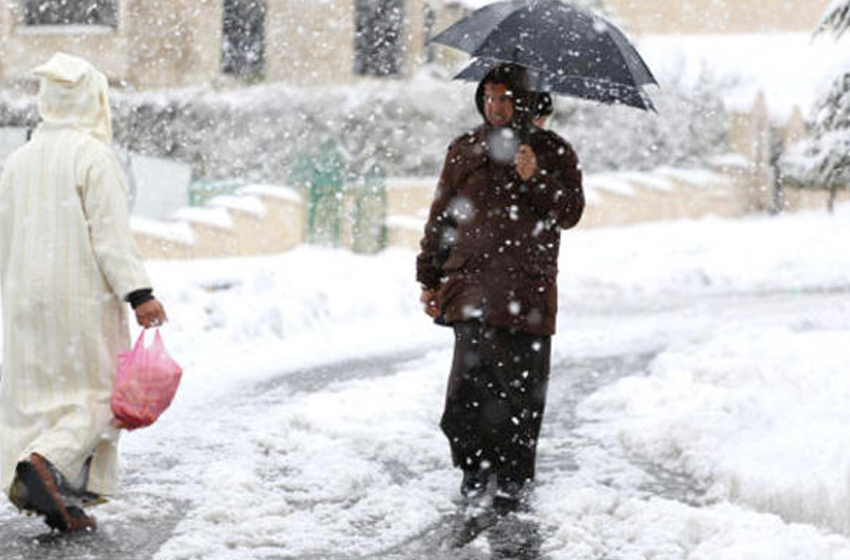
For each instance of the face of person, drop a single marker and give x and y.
(540, 122)
(498, 104)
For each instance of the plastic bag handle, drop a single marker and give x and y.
(157, 342)
(140, 342)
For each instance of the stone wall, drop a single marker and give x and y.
(613, 199)
(259, 220)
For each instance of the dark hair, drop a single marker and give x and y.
(515, 78)
(543, 105)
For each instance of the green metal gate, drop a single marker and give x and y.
(369, 220)
(322, 177)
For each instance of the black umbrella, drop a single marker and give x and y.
(565, 49)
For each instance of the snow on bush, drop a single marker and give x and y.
(259, 133)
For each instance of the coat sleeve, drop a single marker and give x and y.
(104, 200)
(555, 191)
(434, 246)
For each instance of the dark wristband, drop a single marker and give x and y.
(138, 297)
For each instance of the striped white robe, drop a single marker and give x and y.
(67, 260)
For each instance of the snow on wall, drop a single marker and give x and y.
(245, 203)
(272, 191)
(216, 217)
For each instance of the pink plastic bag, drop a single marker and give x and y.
(146, 382)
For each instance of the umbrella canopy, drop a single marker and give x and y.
(565, 49)
(575, 86)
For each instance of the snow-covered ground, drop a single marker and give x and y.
(746, 325)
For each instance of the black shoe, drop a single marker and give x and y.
(509, 495)
(474, 482)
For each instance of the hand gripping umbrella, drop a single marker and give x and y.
(565, 50)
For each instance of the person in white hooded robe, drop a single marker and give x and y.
(68, 266)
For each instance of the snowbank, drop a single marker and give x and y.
(595, 522)
(704, 257)
(760, 415)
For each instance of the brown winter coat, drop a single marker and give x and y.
(491, 241)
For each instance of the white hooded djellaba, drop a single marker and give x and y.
(67, 260)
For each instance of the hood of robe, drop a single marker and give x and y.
(73, 93)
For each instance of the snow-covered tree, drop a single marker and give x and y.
(822, 160)
(836, 18)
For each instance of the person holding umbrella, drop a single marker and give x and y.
(488, 267)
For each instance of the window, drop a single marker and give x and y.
(379, 46)
(243, 38)
(71, 12)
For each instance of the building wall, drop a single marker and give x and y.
(24, 47)
(310, 42)
(157, 43)
(717, 16)
(173, 43)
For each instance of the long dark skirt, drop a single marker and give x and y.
(495, 399)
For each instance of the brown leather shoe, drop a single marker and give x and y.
(36, 489)
(80, 521)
